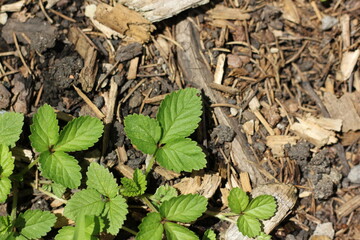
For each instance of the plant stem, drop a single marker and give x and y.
(49, 193)
(25, 170)
(129, 230)
(151, 164)
(148, 203)
(220, 216)
(15, 200)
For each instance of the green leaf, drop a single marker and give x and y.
(10, 128)
(93, 226)
(181, 155)
(238, 200)
(262, 207)
(45, 129)
(102, 180)
(5, 187)
(179, 114)
(134, 187)
(209, 235)
(61, 167)
(249, 226)
(143, 131)
(5, 224)
(176, 232)
(263, 236)
(162, 194)
(79, 134)
(116, 209)
(88, 202)
(150, 226)
(55, 188)
(184, 208)
(6, 161)
(34, 224)
(80, 228)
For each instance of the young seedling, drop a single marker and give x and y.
(166, 136)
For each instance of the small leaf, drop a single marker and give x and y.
(5, 187)
(176, 232)
(87, 201)
(179, 114)
(5, 224)
(134, 187)
(209, 235)
(238, 200)
(184, 208)
(162, 194)
(116, 209)
(93, 226)
(34, 224)
(10, 128)
(45, 129)
(150, 226)
(262, 207)
(181, 155)
(6, 161)
(263, 236)
(79, 134)
(249, 226)
(58, 189)
(143, 131)
(61, 167)
(102, 180)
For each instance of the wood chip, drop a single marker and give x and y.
(344, 109)
(124, 21)
(348, 63)
(348, 207)
(290, 11)
(219, 71)
(222, 12)
(167, 174)
(277, 143)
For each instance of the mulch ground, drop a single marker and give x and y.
(280, 78)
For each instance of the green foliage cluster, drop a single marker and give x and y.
(101, 206)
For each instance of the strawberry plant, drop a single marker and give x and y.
(101, 206)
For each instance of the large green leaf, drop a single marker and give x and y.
(238, 200)
(5, 187)
(45, 129)
(116, 209)
(79, 134)
(6, 161)
(249, 226)
(150, 226)
(181, 155)
(176, 232)
(261, 207)
(184, 208)
(162, 194)
(61, 167)
(134, 187)
(34, 224)
(179, 114)
(102, 180)
(88, 202)
(143, 131)
(10, 127)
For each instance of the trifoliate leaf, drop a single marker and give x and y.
(61, 167)
(134, 187)
(88, 202)
(249, 226)
(116, 209)
(102, 180)
(93, 226)
(45, 129)
(181, 155)
(162, 194)
(238, 200)
(174, 231)
(6, 161)
(5, 187)
(150, 226)
(184, 208)
(34, 224)
(79, 134)
(262, 207)
(209, 235)
(10, 128)
(179, 114)
(143, 131)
